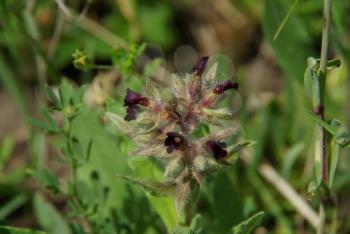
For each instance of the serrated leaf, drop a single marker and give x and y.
(247, 226)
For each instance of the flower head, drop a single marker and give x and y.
(165, 128)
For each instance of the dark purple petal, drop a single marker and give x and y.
(131, 113)
(173, 141)
(200, 66)
(133, 98)
(215, 148)
(227, 84)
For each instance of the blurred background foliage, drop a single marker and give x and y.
(37, 40)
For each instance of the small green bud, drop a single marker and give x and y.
(342, 134)
(342, 137)
(81, 60)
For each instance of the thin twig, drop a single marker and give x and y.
(58, 31)
(282, 186)
(91, 26)
(321, 218)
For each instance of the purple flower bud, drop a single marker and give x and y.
(215, 148)
(200, 66)
(133, 98)
(131, 113)
(227, 84)
(173, 141)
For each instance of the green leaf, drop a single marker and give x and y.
(333, 162)
(155, 188)
(159, 14)
(50, 119)
(201, 130)
(48, 217)
(247, 226)
(226, 201)
(15, 230)
(47, 178)
(328, 127)
(53, 98)
(342, 135)
(9, 207)
(197, 223)
(285, 19)
(146, 168)
(294, 35)
(194, 228)
(7, 78)
(152, 67)
(6, 149)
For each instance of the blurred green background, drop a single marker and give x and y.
(37, 40)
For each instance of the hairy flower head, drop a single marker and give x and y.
(163, 124)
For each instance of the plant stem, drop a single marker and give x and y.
(319, 108)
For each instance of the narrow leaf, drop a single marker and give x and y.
(333, 162)
(324, 124)
(15, 230)
(53, 98)
(285, 19)
(247, 226)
